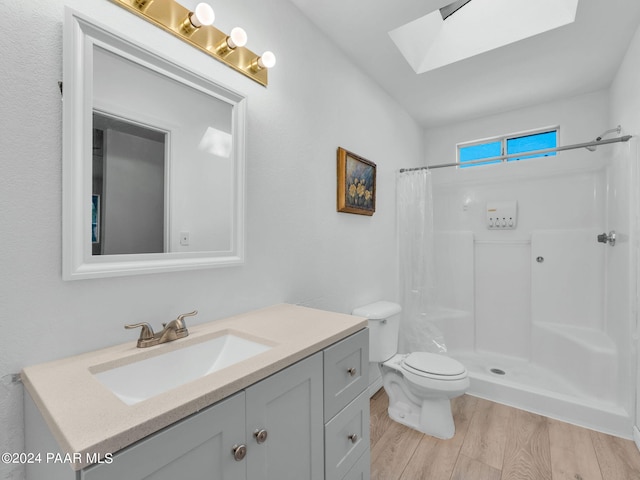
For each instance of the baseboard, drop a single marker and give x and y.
(636, 436)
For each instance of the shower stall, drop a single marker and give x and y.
(542, 313)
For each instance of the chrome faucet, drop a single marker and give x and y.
(171, 331)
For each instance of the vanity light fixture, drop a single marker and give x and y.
(267, 60)
(143, 3)
(196, 29)
(237, 38)
(203, 15)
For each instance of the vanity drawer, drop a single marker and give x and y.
(362, 469)
(346, 438)
(346, 372)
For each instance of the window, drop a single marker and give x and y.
(512, 144)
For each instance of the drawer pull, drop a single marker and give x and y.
(353, 437)
(239, 452)
(352, 371)
(260, 435)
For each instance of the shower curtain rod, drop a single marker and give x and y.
(594, 143)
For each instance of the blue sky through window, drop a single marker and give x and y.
(508, 145)
(530, 143)
(478, 152)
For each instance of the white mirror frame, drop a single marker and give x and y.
(81, 33)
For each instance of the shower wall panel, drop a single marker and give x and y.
(621, 263)
(567, 282)
(503, 298)
(455, 282)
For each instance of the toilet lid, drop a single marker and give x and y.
(434, 364)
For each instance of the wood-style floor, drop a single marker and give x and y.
(496, 442)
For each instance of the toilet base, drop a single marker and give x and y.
(431, 415)
(434, 418)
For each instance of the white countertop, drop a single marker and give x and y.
(85, 417)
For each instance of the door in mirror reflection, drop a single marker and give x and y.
(128, 187)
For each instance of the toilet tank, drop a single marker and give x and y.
(384, 325)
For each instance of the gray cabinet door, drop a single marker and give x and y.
(196, 448)
(289, 407)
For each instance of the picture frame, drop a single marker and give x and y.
(356, 189)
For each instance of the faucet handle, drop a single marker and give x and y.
(190, 314)
(146, 333)
(180, 319)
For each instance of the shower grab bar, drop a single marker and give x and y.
(595, 143)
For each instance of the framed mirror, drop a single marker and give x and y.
(153, 159)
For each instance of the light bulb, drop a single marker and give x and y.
(267, 60)
(203, 15)
(237, 38)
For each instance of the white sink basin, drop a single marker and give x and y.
(138, 381)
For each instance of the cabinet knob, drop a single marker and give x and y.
(352, 371)
(239, 452)
(353, 437)
(260, 435)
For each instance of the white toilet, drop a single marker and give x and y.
(420, 385)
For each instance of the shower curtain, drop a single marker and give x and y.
(418, 331)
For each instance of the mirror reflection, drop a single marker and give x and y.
(162, 167)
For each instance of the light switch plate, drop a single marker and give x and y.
(184, 239)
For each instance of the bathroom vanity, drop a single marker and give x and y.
(297, 410)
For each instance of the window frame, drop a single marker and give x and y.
(503, 139)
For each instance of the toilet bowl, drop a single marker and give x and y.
(420, 385)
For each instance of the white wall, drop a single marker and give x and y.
(580, 118)
(625, 109)
(298, 248)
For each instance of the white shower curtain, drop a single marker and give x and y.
(418, 331)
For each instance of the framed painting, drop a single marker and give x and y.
(356, 184)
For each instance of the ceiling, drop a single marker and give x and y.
(578, 58)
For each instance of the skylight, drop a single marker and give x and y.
(431, 42)
(452, 8)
